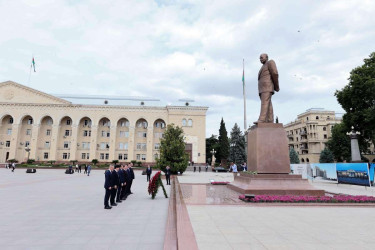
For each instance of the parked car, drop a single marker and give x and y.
(219, 169)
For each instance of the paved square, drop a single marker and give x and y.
(52, 210)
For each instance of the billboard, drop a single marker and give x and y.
(353, 173)
(324, 171)
(302, 169)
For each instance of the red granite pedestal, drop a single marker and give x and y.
(268, 155)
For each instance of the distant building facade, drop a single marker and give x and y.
(309, 133)
(54, 129)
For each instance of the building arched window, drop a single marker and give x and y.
(183, 122)
(324, 129)
(302, 160)
(317, 117)
(307, 118)
(190, 122)
(307, 160)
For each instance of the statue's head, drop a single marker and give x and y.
(263, 58)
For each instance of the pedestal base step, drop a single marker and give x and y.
(275, 184)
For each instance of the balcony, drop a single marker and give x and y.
(303, 132)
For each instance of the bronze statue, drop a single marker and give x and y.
(268, 83)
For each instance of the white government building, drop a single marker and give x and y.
(55, 129)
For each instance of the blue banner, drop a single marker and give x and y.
(353, 173)
(372, 172)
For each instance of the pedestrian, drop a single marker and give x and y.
(148, 172)
(233, 168)
(195, 168)
(126, 191)
(115, 184)
(7, 165)
(76, 168)
(70, 169)
(132, 177)
(80, 168)
(168, 175)
(244, 166)
(88, 170)
(108, 186)
(85, 169)
(199, 169)
(13, 166)
(206, 167)
(119, 181)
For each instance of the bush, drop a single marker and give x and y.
(30, 161)
(139, 164)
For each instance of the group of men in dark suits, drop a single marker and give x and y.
(118, 182)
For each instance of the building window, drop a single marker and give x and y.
(325, 136)
(142, 124)
(142, 134)
(45, 156)
(86, 145)
(104, 145)
(87, 123)
(317, 118)
(119, 157)
(160, 125)
(190, 122)
(125, 156)
(138, 157)
(86, 133)
(324, 129)
(48, 132)
(30, 121)
(158, 135)
(124, 124)
(7, 144)
(46, 144)
(68, 122)
(66, 144)
(85, 156)
(28, 131)
(49, 122)
(123, 145)
(9, 132)
(124, 134)
(143, 157)
(10, 120)
(106, 123)
(157, 146)
(141, 146)
(106, 156)
(27, 143)
(66, 156)
(307, 118)
(183, 122)
(101, 156)
(68, 132)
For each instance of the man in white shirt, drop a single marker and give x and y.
(233, 167)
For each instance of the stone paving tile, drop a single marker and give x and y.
(51, 210)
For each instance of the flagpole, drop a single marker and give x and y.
(244, 96)
(31, 66)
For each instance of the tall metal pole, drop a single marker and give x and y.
(244, 96)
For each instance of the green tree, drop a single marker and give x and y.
(223, 150)
(339, 143)
(172, 150)
(211, 143)
(326, 156)
(358, 100)
(95, 161)
(237, 151)
(293, 156)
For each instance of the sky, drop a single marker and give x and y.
(171, 50)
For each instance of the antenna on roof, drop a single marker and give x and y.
(187, 101)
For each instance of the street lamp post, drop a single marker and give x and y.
(213, 152)
(356, 156)
(29, 170)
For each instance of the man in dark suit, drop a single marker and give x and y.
(108, 186)
(148, 172)
(127, 181)
(168, 175)
(121, 177)
(132, 177)
(115, 184)
(268, 83)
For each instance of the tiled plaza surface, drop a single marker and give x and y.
(235, 226)
(52, 210)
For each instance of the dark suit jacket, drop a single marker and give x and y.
(108, 179)
(131, 173)
(148, 171)
(121, 175)
(126, 176)
(268, 78)
(167, 171)
(116, 180)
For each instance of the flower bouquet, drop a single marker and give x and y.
(154, 185)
